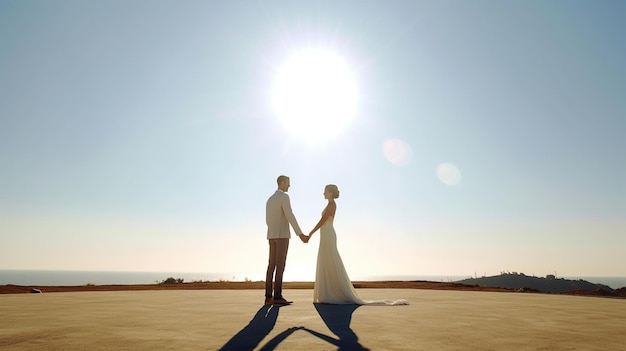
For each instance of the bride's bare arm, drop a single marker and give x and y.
(328, 211)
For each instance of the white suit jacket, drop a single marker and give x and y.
(278, 216)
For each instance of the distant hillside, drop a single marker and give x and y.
(548, 284)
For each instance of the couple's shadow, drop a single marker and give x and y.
(336, 317)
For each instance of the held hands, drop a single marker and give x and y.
(304, 238)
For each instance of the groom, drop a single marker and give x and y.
(278, 216)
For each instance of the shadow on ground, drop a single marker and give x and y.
(259, 327)
(336, 317)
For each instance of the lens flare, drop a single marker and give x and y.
(449, 174)
(397, 152)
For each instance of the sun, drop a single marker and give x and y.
(314, 95)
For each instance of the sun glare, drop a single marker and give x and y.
(314, 95)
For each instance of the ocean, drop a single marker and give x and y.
(73, 278)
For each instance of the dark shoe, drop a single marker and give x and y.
(269, 300)
(281, 302)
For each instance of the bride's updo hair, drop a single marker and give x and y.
(333, 190)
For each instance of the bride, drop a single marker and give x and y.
(332, 284)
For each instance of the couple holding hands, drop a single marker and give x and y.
(332, 284)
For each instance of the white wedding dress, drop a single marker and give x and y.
(332, 284)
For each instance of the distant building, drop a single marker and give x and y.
(550, 277)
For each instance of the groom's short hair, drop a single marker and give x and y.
(282, 178)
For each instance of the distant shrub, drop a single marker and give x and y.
(171, 280)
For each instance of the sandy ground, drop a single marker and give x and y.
(224, 319)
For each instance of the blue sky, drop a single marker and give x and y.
(140, 136)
